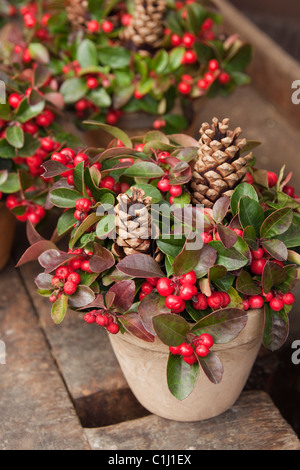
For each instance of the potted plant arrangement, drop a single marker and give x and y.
(186, 309)
(145, 60)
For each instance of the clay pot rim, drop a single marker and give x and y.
(242, 338)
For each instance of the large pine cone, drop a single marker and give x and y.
(146, 29)
(133, 226)
(220, 166)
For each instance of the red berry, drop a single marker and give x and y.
(141, 295)
(186, 350)
(81, 157)
(83, 204)
(250, 179)
(191, 359)
(146, 288)
(164, 185)
(203, 84)
(201, 303)
(226, 299)
(188, 291)
(108, 182)
(69, 153)
(89, 318)
(215, 301)
(257, 254)
(175, 350)
(93, 26)
(238, 232)
(209, 77)
(85, 266)
(56, 282)
(176, 191)
(62, 272)
(175, 40)
(75, 263)
(92, 83)
(206, 237)
(70, 288)
(272, 179)
(29, 21)
(107, 27)
(14, 100)
(74, 277)
(289, 190)
(256, 301)
(47, 144)
(164, 286)
(268, 296)
(246, 304)
(202, 350)
(184, 88)
(102, 320)
(188, 39)
(138, 95)
(111, 117)
(257, 266)
(152, 281)
(26, 56)
(124, 187)
(223, 78)
(213, 65)
(188, 278)
(288, 299)
(58, 157)
(126, 19)
(276, 304)
(33, 218)
(190, 57)
(207, 24)
(174, 302)
(113, 328)
(52, 298)
(205, 339)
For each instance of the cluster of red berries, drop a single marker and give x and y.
(83, 206)
(65, 280)
(44, 119)
(104, 319)
(70, 159)
(106, 26)
(215, 301)
(33, 212)
(212, 234)
(200, 347)
(276, 300)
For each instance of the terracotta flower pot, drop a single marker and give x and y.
(7, 231)
(144, 366)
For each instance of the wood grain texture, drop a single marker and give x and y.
(36, 411)
(253, 423)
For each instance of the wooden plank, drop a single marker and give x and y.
(36, 411)
(253, 423)
(272, 70)
(85, 358)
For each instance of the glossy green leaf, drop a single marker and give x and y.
(73, 89)
(181, 377)
(251, 213)
(170, 328)
(64, 197)
(273, 275)
(243, 189)
(276, 328)
(223, 325)
(59, 309)
(277, 223)
(15, 136)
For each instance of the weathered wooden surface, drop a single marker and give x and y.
(36, 411)
(89, 367)
(253, 423)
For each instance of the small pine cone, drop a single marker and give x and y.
(146, 29)
(133, 226)
(78, 14)
(220, 166)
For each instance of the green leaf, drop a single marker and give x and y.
(73, 90)
(5, 111)
(25, 112)
(240, 60)
(105, 226)
(39, 53)
(63, 197)
(223, 325)
(277, 223)
(212, 367)
(30, 146)
(140, 266)
(186, 261)
(251, 214)
(246, 285)
(276, 249)
(220, 209)
(160, 61)
(114, 131)
(11, 185)
(175, 58)
(171, 247)
(170, 328)
(181, 377)
(207, 259)
(87, 54)
(250, 238)
(82, 297)
(65, 222)
(273, 275)
(151, 305)
(115, 57)
(132, 323)
(59, 309)
(100, 98)
(229, 257)
(144, 170)
(6, 150)
(291, 238)
(243, 189)
(15, 136)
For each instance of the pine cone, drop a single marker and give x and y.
(78, 14)
(220, 166)
(133, 226)
(146, 29)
